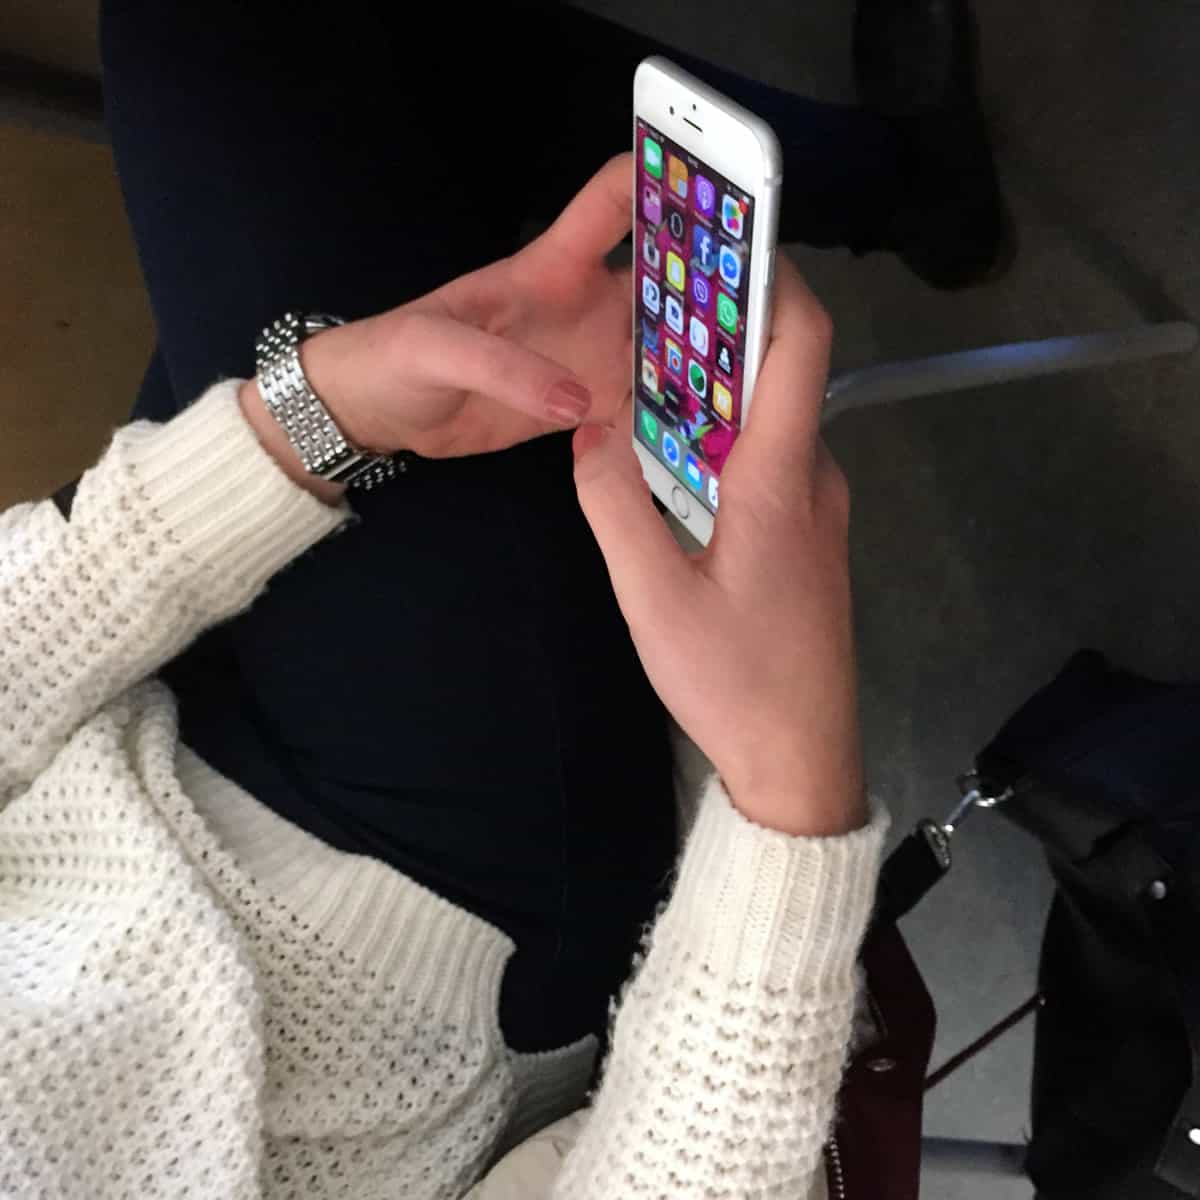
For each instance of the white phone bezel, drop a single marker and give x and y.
(743, 148)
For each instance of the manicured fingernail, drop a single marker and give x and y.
(568, 402)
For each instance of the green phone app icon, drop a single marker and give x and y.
(649, 426)
(652, 157)
(727, 313)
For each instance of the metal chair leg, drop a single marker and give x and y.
(889, 382)
(1000, 1160)
(982, 1042)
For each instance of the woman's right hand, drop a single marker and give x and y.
(526, 346)
(750, 643)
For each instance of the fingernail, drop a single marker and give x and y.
(568, 402)
(586, 439)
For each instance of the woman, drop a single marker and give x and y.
(448, 687)
(199, 998)
(342, 913)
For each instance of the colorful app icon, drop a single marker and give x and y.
(695, 476)
(652, 204)
(725, 357)
(701, 292)
(650, 295)
(697, 378)
(650, 254)
(650, 336)
(649, 426)
(652, 157)
(722, 400)
(733, 215)
(712, 493)
(674, 357)
(675, 225)
(676, 275)
(706, 196)
(650, 376)
(727, 314)
(674, 313)
(670, 449)
(677, 176)
(698, 336)
(704, 250)
(731, 267)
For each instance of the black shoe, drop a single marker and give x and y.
(915, 62)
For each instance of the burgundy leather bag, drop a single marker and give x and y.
(874, 1152)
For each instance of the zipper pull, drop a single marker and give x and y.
(973, 793)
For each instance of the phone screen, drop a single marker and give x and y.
(693, 236)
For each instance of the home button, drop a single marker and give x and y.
(680, 503)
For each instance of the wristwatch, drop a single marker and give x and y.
(323, 448)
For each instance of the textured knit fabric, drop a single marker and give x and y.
(531, 1171)
(198, 999)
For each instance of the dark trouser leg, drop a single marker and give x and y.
(295, 156)
(845, 171)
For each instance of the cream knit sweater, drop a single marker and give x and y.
(198, 999)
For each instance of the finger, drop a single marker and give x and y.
(785, 415)
(442, 353)
(790, 391)
(596, 220)
(649, 571)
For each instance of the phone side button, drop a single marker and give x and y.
(680, 503)
(771, 268)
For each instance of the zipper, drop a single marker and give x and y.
(836, 1175)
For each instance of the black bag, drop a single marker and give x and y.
(1098, 767)
(1101, 766)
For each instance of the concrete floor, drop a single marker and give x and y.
(994, 532)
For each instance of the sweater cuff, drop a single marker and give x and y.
(225, 500)
(761, 907)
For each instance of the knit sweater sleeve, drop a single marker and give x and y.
(730, 1040)
(178, 527)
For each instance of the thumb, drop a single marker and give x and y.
(648, 568)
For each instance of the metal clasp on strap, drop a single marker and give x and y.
(973, 795)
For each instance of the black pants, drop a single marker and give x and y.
(449, 685)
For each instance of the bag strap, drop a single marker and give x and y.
(909, 873)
